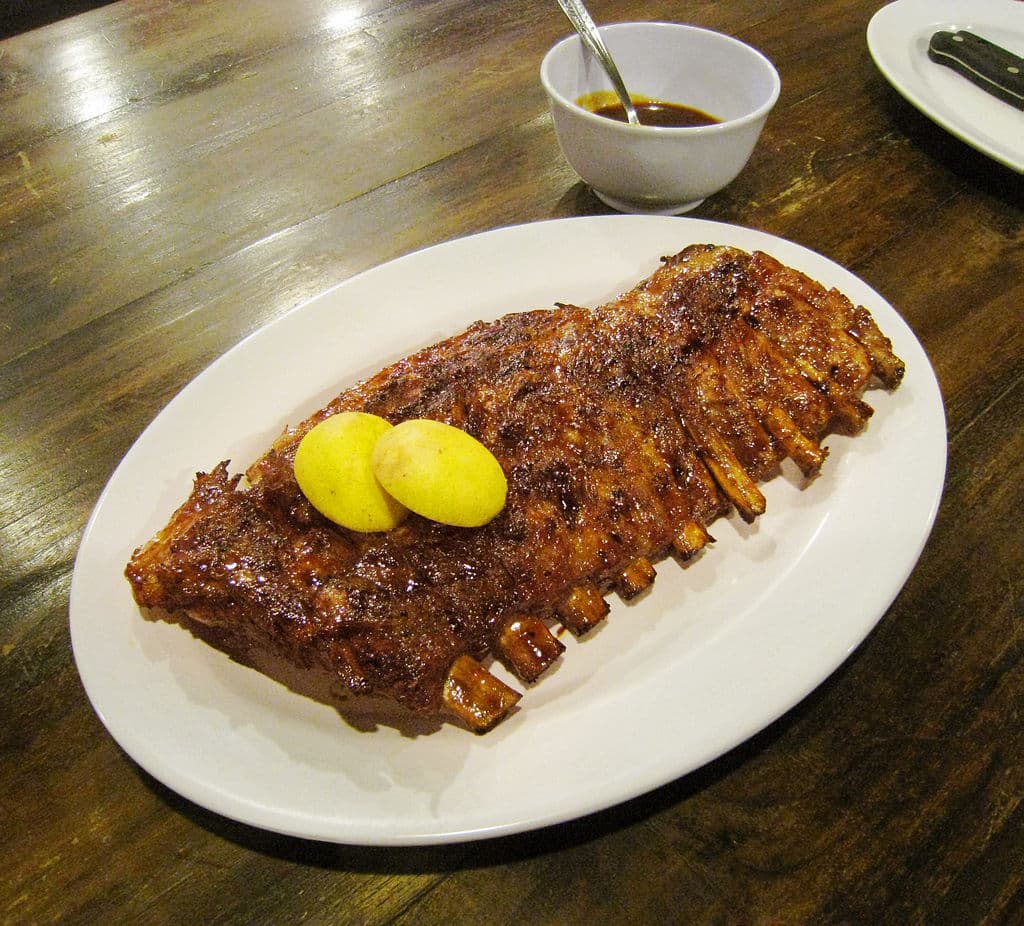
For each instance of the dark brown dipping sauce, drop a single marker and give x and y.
(654, 112)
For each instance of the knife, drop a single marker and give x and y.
(982, 62)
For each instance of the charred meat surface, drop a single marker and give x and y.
(623, 432)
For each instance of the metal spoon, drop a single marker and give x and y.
(584, 25)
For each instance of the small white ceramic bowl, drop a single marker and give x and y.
(652, 169)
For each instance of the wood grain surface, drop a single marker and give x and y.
(174, 175)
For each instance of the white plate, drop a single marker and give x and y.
(898, 36)
(714, 653)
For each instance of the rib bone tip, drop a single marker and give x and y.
(528, 648)
(475, 696)
(583, 609)
(637, 576)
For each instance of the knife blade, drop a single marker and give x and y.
(983, 63)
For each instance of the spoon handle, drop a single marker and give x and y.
(584, 25)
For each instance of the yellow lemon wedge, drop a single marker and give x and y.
(332, 467)
(441, 472)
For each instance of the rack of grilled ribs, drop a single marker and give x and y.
(624, 431)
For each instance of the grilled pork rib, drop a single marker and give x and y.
(624, 431)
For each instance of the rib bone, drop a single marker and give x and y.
(528, 647)
(731, 477)
(806, 453)
(475, 696)
(584, 609)
(637, 576)
(691, 540)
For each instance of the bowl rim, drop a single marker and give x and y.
(613, 125)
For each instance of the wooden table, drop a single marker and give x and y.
(175, 175)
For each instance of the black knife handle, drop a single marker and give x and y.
(982, 62)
